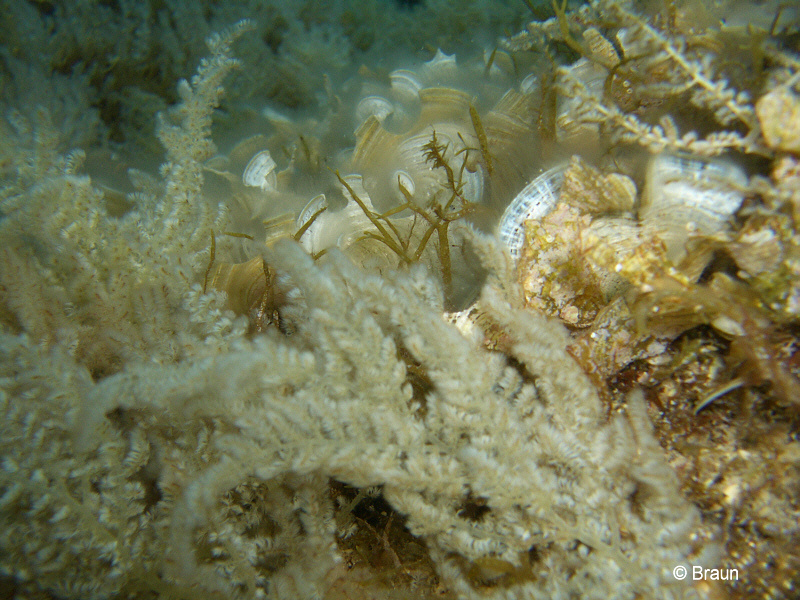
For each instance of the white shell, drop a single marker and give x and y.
(314, 205)
(356, 183)
(405, 85)
(530, 84)
(583, 78)
(403, 178)
(472, 182)
(260, 172)
(375, 106)
(411, 155)
(337, 228)
(440, 69)
(501, 63)
(313, 240)
(687, 192)
(535, 200)
(687, 195)
(275, 117)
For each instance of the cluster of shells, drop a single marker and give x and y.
(683, 198)
(485, 150)
(493, 153)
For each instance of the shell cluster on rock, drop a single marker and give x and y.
(393, 131)
(483, 164)
(438, 143)
(683, 194)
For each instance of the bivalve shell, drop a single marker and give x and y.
(260, 172)
(530, 85)
(335, 228)
(376, 106)
(405, 85)
(535, 200)
(685, 194)
(441, 69)
(583, 78)
(244, 283)
(381, 156)
(511, 144)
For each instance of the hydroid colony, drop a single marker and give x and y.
(248, 378)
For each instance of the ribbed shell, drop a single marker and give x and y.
(535, 200)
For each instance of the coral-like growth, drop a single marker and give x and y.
(335, 400)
